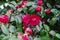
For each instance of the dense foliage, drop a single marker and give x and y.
(29, 20)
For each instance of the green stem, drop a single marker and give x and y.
(9, 20)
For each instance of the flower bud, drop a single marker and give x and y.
(47, 11)
(29, 30)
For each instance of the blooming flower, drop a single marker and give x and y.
(38, 9)
(39, 3)
(34, 20)
(4, 19)
(25, 37)
(25, 18)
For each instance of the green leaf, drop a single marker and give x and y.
(19, 29)
(58, 35)
(46, 27)
(13, 2)
(40, 24)
(12, 29)
(6, 4)
(18, 19)
(31, 38)
(12, 6)
(52, 21)
(56, 12)
(1, 37)
(49, 6)
(12, 18)
(25, 10)
(42, 32)
(12, 38)
(38, 28)
(53, 33)
(4, 29)
(31, 10)
(30, 3)
(45, 37)
(6, 38)
(37, 38)
(19, 9)
(43, 14)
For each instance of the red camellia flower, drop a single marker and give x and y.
(39, 0)
(38, 9)
(29, 30)
(35, 20)
(25, 18)
(25, 37)
(0, 18)
(25, 26)
(39, 3)
(10, 11)
(17, 6)
(47, 11)
(4, 19)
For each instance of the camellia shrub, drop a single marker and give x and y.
(29, 20)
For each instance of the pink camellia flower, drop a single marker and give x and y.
(17, 6)
(39, 3)
(19, 35)
(4, 19)
(25, 37)
(38, 9)
(25, 18)
(35, 20)
(10, 11)
(47, 11)
(29, 30)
